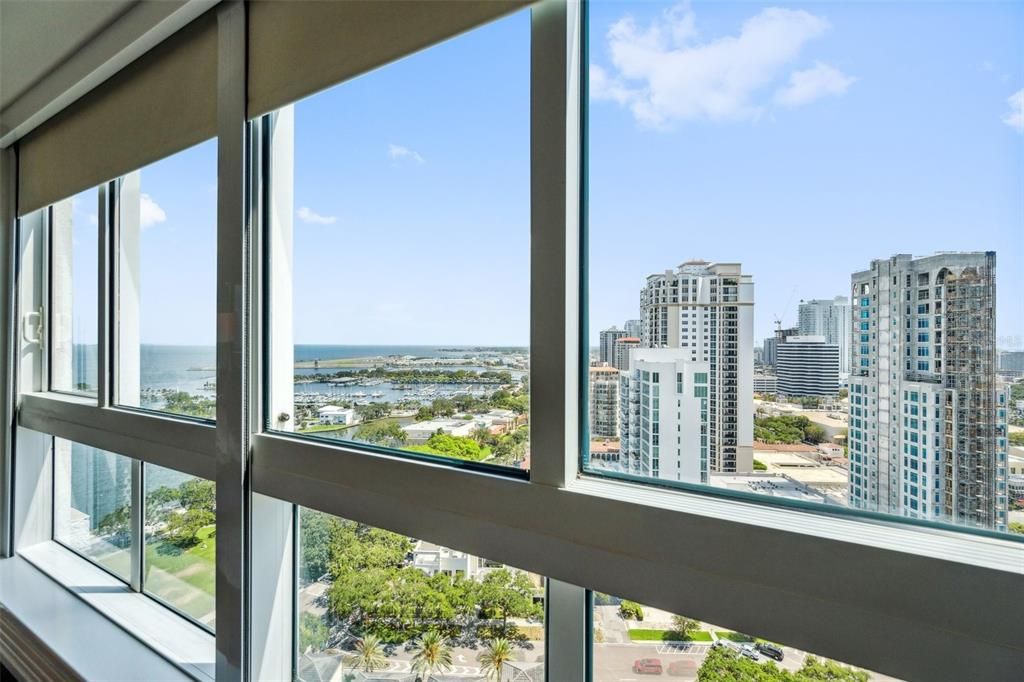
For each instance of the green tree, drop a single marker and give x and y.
(819, 669)
(843, 393)
(183, 527)
(313, 633)
(1017, 527)
(387, 432)
(457, 447)
(630, 610)
(373, 411)
(507, 594)
(432, 654)
(482, 435)
(319, 534)
(1017, 438)
(443, 407)
(496, 655)
(725, 665)
(685, 626)
(815, 433)
(117, 523)
(368, 656)
(198, 493)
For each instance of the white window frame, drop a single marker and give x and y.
(908, 600)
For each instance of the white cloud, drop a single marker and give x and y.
(663, 74)
(311, 217)
(1015, 117)
(807, 86)
(397, 151)
(150, 212)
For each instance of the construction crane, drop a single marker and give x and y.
(775, 316)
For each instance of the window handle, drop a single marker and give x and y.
(34, 320)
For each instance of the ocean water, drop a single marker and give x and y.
(189, 368)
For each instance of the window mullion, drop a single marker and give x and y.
(232, 337)
(104, 307)
(8, 336)
(553, 254)
(567, 633)
(138, 526)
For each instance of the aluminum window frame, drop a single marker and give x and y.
(953, 590)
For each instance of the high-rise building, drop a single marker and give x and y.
(707, 311)
(604, 402)
(634, 328)
(927, 417)
(622, 347)
(1011, 361)
(663, 423)
(771, 344)
(807, 366)
(608, 339)
(830, 319)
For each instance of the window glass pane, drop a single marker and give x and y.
(400, 253)
(74, 278)
(633, 641)
(740, 145)
(92, 504)
(167, 275)
(179, 566)
(373, 601)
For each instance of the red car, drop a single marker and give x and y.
(647, 666)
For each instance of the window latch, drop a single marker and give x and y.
(33, 321)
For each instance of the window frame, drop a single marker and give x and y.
(750, 573)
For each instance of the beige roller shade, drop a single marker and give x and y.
(297, 47)
(160, 104)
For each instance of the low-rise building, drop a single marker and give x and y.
(333, 414)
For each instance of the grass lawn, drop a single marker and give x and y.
(649, 635)
(184, 578)
(733, 636)
(323, 428)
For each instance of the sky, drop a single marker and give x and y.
(801, 140)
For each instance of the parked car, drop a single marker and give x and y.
(770, 650)
(647, 666)
(750, 652)
(684, 668)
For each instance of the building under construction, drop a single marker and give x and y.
(927, 416)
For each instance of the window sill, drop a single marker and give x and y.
(151, 642)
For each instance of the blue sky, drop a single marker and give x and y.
(802, 141)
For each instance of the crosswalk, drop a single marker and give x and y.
(668, 648)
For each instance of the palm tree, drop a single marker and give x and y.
(482, 435)
(432, 654)
(369, 655)
(493, 658)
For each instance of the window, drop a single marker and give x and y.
(92, 505)
(631, 640)
(73, 294)
(181, 542)
(662, 85)
(167, 268)
(409, 243)
(373, 601)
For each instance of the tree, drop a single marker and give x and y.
(815, 433)
(496, 654)
(183, 528)
(373, 411)
(819, 669)
(117, 523)
(1017, 438)
(432, 654)
(457, 447)
(684, 626)
(313, 633)
(1017, 527)
(319, 533)
(387, 432)
(630, 610)
(198, 493)
(507, 594)
(369, 655)
(482, 435)
(443, 407)
(843, 393)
